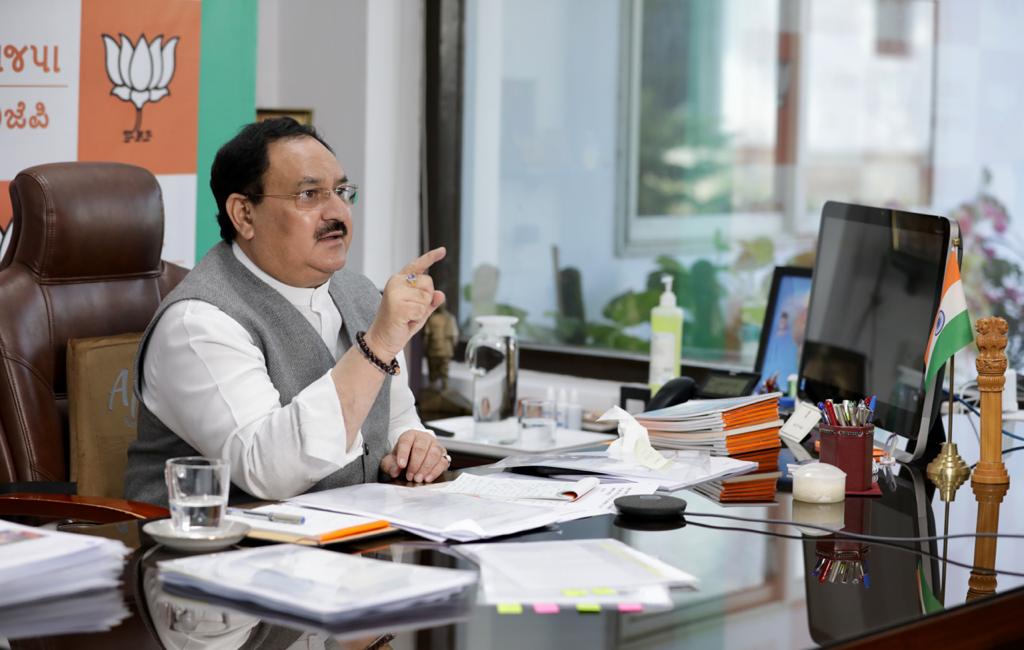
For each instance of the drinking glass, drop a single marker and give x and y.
(197, 492)
(536, 423)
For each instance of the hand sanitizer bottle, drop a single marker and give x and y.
(666, 338)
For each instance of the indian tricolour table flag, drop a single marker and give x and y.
(951, 329)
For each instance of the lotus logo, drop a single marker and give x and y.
(140, 73)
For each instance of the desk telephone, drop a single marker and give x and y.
(717, 383)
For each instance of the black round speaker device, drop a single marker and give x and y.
(650, 506)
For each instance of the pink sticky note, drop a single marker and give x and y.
(630, 608)
(545, 608)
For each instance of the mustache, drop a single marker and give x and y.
(330, 228)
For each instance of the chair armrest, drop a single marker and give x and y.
(100, 510)
(40, 487)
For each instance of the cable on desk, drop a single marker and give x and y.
(1005, 451)
(848, 534)
(978, 413)
(899, 547)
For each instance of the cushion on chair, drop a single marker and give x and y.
(102, 410)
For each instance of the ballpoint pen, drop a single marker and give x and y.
(278, 517)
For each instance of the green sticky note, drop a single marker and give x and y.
(603, 591)
(588, 608)
(510, 608)
(574, 593)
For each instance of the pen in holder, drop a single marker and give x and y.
(849, 449)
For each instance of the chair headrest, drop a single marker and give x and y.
(85, 221)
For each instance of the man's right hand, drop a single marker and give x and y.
(406, 305)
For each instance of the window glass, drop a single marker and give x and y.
(609, 143)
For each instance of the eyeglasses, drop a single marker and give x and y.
(314, 198)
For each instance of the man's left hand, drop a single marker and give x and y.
(418, 455)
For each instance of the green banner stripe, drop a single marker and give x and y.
(955, 335)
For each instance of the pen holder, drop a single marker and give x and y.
(849, 449)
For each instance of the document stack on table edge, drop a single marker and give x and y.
(430, 513)
(92, 611)
(37, 563)
(314, 584)
(588, 572)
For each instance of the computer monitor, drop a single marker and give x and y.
(876, 287)
(785, 320)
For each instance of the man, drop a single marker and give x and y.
(273, 356)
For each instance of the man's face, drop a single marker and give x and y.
(301, 248)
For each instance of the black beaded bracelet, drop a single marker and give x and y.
(387, 368)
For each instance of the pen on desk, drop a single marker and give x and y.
(278, 517)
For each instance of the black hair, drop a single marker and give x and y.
(243, 160)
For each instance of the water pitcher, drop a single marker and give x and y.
(493, 358)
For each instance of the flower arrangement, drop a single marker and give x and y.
(992, 268)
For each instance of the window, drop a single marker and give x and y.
(605, 143)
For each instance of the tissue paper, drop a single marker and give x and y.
(633, 445)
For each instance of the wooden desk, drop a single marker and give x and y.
(756, 587)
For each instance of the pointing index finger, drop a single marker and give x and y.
(425, 261)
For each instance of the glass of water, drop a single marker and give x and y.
(197, 492)
(536, 423)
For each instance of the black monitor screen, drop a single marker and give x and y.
(877, 283)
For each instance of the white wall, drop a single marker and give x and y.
(358, 65)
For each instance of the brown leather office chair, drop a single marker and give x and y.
(84, 262)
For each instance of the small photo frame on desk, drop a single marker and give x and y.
(784, 327)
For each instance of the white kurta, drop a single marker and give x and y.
(207, 381)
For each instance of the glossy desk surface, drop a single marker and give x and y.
(756, 585)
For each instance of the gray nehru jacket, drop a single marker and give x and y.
(296, 356)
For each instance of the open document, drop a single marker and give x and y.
(573, 572)
(596, 496)
(430, 513)
(313, 583)
(37, 563)
(684, 469)
(281, 522)
(510, 489)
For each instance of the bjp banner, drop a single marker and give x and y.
(110, 80)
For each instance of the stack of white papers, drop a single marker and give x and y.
(429, 513)
(37, 563)
(95, 611)
(597, 497)
(314, 584)
(687, 468)
(601, 572)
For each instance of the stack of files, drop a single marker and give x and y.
(687, 468)
(317, 527)
(430, 513)
(756, 487)
(588, 497)
(725, 427)
(586, 574)
(217, 622)
(314, 584)
(93, 611)
(37, 563)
